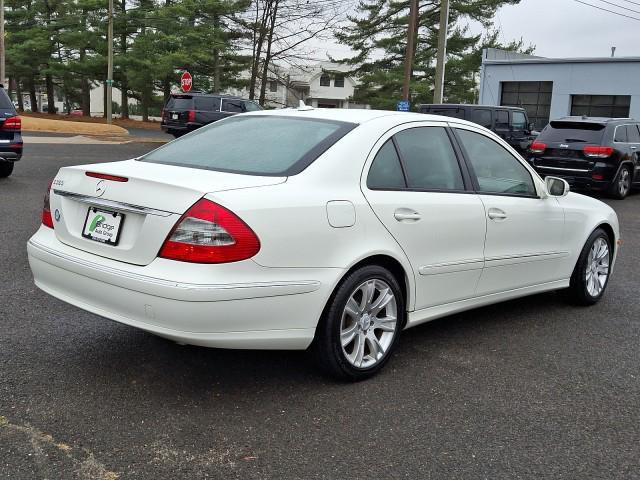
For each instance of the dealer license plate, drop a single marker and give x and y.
(103, 226)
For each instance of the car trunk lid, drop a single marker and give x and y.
(148, 199)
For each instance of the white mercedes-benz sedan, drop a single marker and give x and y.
(332, 230)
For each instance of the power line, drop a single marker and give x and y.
(620, 6)
(606, 10)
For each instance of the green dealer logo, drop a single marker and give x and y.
(97, 220)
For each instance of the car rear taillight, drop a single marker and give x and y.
(538, 147)
(596, 151)
(209, 233)
(597, 176)
(191, 116)
(105, 176)
(12, 123)
(46, 208)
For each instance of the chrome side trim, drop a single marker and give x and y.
(529, 257)
(175, 290)
(562, 169)
(120, 206)
(452, 267)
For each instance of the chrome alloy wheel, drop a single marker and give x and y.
(369, 323)
(597, 270)
(624, 182)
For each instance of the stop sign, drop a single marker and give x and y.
(186, 81)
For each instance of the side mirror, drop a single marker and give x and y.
(556, 187)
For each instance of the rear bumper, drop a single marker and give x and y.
(580, 179)
(12, 155)
(255, 313)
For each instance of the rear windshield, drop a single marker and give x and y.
(572, 132)
(180, 103)
(253, 145)
(5, 101)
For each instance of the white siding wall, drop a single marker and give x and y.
(593, 78)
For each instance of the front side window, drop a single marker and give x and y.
(482, 117)
(633, 133)
(429, 159)
(385, 172)
(496, 170)
(325, 80)
(253, 145)
(518, 121)
(232, 106)
(251, 106)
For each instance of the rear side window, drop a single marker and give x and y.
(385, 172)
(5, 101)
(429, 160)
(209, 104)
(633, 133)
(253, 145)
(496, 170)
(502, 119)
(572, 132)
(233, 106)
(180, 103)
(482, 116)
(620, 134)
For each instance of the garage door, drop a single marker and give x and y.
(534, 97)
(610, 106)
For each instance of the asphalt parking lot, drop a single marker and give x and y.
(532, 388)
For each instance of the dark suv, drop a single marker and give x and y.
(184, 112)
(590, 153)
(10, 134)
(510, 123)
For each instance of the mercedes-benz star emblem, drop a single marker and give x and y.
(100, 188)
(57, 215)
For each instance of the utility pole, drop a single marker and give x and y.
(110, 63)
(2, 60)
(438, 93)
(408, 56)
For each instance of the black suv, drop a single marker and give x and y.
(510, 123)
(590, 153)
(184, 112)
(10, 134)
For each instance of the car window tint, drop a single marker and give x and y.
(496, 170)
(448, 112)
(251, 107)
(502, 119)
(519, 121)
(233, 106)
(180, 103)
(207, 103)
(253, 144)
(633, 133)
(385, 171)
(429, 159)
(482, 117)
(620, 134)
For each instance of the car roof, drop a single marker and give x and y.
(205, 94)
(358, 116)
(585, 119)
(468, 105)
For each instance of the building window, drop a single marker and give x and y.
(273, 85)
(339, 81)
(611, 106)
(534, 97)
(325, 80)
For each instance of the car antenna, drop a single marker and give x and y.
(303, 106)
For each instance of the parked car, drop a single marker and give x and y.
(10, 134)
(185, 112)
(311, 228)
(599, 154)
(510, 123)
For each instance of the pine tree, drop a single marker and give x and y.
(377, 34)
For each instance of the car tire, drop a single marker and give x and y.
(6, 168)
(591, 274)
(622, 184)
(361, 325)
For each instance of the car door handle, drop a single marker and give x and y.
(406, 215)
(633, 148)
(496, 214)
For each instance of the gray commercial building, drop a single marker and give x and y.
(550, 88)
